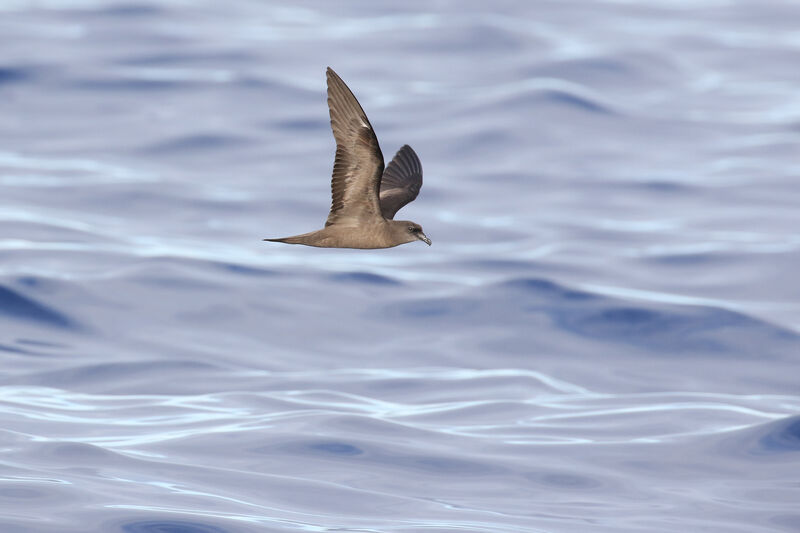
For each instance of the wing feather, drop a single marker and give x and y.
(401, 181)
(358, 164)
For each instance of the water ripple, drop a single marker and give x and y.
(600, 338)
(143, 420)
(19, 307)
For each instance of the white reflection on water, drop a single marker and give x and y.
(559, 413)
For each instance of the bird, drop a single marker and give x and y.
(365, 197)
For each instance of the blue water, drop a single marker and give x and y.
(603, 337)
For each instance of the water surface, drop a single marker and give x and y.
(603, 337)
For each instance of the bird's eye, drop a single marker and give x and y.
(412, 229)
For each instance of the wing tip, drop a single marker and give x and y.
(331, 74)
(409, 149)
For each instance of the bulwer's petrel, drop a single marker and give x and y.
(365, 196)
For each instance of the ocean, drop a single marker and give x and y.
(603, 337)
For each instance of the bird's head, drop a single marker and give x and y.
(412, 231)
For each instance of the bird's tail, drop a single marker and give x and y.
(297, 239)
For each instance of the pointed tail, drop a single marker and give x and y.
(297, 239)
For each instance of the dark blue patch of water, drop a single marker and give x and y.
(170, 526)
(365, 277)
(20, 307)
(783, 436)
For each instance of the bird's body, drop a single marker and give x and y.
(384, 234)
(365, 197)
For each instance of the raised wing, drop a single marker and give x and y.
(358, 166)
(401, 181)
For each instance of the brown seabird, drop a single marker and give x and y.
(365, 196)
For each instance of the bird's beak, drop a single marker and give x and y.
(424, 238)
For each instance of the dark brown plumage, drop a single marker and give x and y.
(364, 196)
